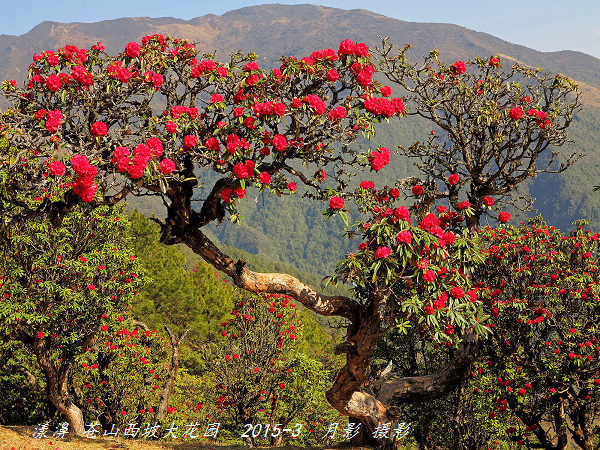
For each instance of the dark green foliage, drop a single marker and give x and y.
(177, 297)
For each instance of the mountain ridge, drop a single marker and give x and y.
(423, 33)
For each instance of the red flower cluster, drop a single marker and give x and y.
(132, 49)
(99, 129)
(269, 107)
(417, 190)
(404, 237)
(54, 120)
(142, 153)
(156, 79)
(166, 166)
(504, 216)
(382, 252)
(315, 103)
(381, 106)
(279, 142)
(459, 67)
(379, 158)
(57, 168)
(367, 185)
(515, 113)
(542, 121)
(336, 203)
(118, 72)
(84, 185)
(337, 114)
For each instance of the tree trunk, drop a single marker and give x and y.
(57, 388)
(560, 425)
(168, 390)
(583, 433)
(457, 424)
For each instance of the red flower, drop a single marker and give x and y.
(57, 168)
(336, 203)
(252, 65)
(292, 186)
(463, 205)
(132, 49)
(241, 171)
(279, 142)
(402, 213)
(361, 49)
(453, 179)
(53, 83)
(429, 276)
(281, 385)
(456, 292)
(212, 144)
(156, 146)
(404, 237)
(337, 113)
(91, 287)
(171, 127)
(166, 166)
(99, 129)
(379, 158)
(504, 216)
(40, 335)
(54, 120)
(333, 75)
(515, 113)
(382, 252)
(386, 91)
(367, 185)
(80, 164)
(417, 190)
(264, 178)
(428, 309)
(346, 47)
(216, 98)
(488, 201)
(190, 141)
(239, 192)
(459, 67)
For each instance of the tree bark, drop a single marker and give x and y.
(583, 434)
(168, 390)
(57, 388)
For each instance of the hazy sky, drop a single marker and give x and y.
(546, 25)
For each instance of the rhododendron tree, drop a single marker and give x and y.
(122, 376)
(260, 376)
(58, 285)
(541, 292)
(499, 126)
(411, 272)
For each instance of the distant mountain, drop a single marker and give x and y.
(275, 30)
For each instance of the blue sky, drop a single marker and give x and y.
(546, 25)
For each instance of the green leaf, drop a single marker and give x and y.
(344, 217)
